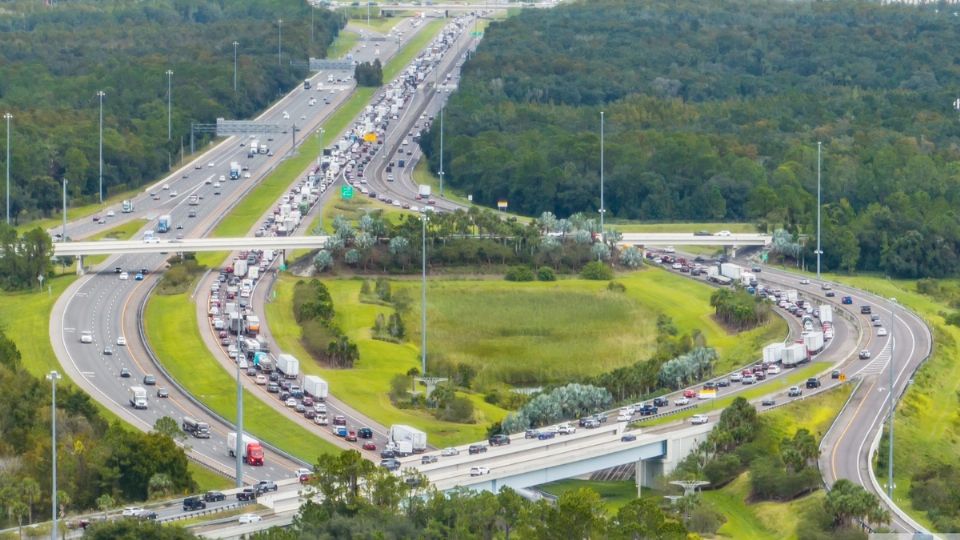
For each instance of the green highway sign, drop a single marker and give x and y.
(476, 34)
(346, 192)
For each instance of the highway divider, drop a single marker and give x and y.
(207, 512)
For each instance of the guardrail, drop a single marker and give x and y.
(205, 512)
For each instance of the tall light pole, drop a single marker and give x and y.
(818, 209)
(441, 153)
(235, 45)
(169, 104)
(279, 41)
(893, 343)
(601, 178)
(312, 9)
(64, 231)
(423, 301)
(100, 95)
(8, 117)
(239, 449)
(53, 377)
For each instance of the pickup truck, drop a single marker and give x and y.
(566, 429)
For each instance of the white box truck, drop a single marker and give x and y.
(288, 365)
(400, 433)
(791, 295)
(423, 192)
(794, 354)
(138, 397)
(773, 353)
(730, 270)
(826, 314)
(253, 272)
(315, 387)
(813, 341)
(239, 267)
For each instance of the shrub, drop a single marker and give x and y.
(704, 520)
(616, 286)
(519, 273)
(545, 273)
(597, 271)
(459, 409)
(723, 469)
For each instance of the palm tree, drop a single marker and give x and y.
(30, 493)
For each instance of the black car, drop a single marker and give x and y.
(710, 385)
(248, 494)
(163, 393)
(865, 310)
(531, 434)
(831, 294)
(365, 433)
(148, 516)
(768, 402)
(125, 373)
(388, 454)
(193, 503)
(477, 449)
(425, 460)
(648, 410)
(835, 374)
(149, 380)
(499, 439)
(813, 382)
(661, 402)
(723, 383)
(214, 496)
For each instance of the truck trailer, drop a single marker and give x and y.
(164, 223)
(288, 365)
(234, 170)
(315, 387)
(400, 433)
(252, 451)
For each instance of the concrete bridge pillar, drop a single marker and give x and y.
(733, 252)
(79, 265)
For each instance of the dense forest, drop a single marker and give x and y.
(100, 465)
(54, 60)
(713, 111)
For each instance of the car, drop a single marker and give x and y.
(748, 379)
(124, 276)
(216, 184)
(689, 393)
(796, 391)
(681, 401)
(768, 402)
(246, 175)
(264, 486)
(804, 281)
(370, 445)
(881, 332)
(125, 373)
(339, 420)
(248, 494)
(723, 383)
(390, 464)
(214, 496)
(723, 233)
(173, 194)
(499, 439)
(261, 379)
(132, 511)
(698, 419)
(321, 420)
(121, 341)
(835, 374)
(477, 449)
(813, 382)
(211, 164)
(773, 369)
(149, 380)
(321, 408)
(622, 417)
(831, 294)
(628, 437)
(648, 409)
(138, 277)
(300, 408)
(351, 436)
(479, 470)
(544, 435)
(273, 387)
(163, 392)
(291, 402)
(365, 433)
(864, 354)
(736, 377)
(166, 187)
(865, 310)
(148, 515)
(426, 460)
(249, 518)
(661, 402)
(449, 451)
(846, 300)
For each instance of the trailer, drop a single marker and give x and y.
(288, 365)
(731, 270)
(315, 387)
(794, 355)
(813, 341)
(826, 314)
(773, 353)
(417, 438)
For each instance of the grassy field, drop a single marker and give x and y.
(353, 209)
(173, 332)
(344, 43)
(411, 49)
(74, 213)
(422, 175)
(927, 426)
(494, 340)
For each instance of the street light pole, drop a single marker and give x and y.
(239, 443)
(64, 231)
(53, 377)
(601, 178)
(169, 105)
(818, 209)
(279, 41)
(8, 116)
(893, 343)
(441, 153)
(100, 95)
(235, 44)
(423, 301)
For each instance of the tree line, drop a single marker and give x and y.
(54, 60)
(713, 111)
(100, 464)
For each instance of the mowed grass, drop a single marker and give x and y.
(423, 175)
(354, 209)
(412, 48)
(173, 332)
(358, 20)
(345, 42)
(928, 417)
(365, 387)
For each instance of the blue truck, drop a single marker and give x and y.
(163, 223)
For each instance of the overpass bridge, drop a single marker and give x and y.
(688, 239)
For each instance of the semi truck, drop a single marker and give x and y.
(253, 324)
(252, 451)
(315, 387)
(127, 206)
(164, 223)
(288, 365)
(813, 341)
(138, 397)
(234, 170)
(400, 433)
(826, 314)
(192, 426)
(306, 84)
(423, 191)
(794, 355)
(730, 270)
(773, 353)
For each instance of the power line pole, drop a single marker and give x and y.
(169, 104)
(53, 377)
(100, 95)
(279, 41)
(8, 117)
(893, 342)
(819, 252)
(64, 231)
(235, 44)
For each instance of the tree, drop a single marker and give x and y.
(847, 502)
(159, 486)
(641, 519)
(29, 494)
(631, 257)
(800, 451)
(167, 426)
(323, 260)
(134, 528)
(596, 270)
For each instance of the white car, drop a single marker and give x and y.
(623, 417)
(736, 377)
(670, 249)
(132, 511)
(321, 420)
(223, 178)
(804, 281)
(86, 336)
(320, 408)
(881, 332)
(249, 518)
(208, 181)
(301, 472)
(699, 419)
(216, 184)
(479, 471)
(286, 115)
(566, 429)
(173, 193)
(166, 186)
(291, 402)
(261, 379)
(246, 175)
(681, 401)
(723, 233)
(121, 341)
(111, 213)
(211, 164)
(124, 276)
(449, 451)
(773, 370)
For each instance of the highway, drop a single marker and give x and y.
(107, 306)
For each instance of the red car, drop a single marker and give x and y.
(352, 436)
(369, 446)
(305, 478)
(689, 393)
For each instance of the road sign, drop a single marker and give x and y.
(843, 377)
(370, 137)
(346, 192)
(476, 34)
(502, 204)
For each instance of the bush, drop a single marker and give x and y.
(597, 271)
(400, 387)
(703, 520)
(459, 409)
(769, 480)
(616, 286)
(723, 469)
(545, 273)
(519, 273)
(316, 337)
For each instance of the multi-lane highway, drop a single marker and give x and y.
(106, 306)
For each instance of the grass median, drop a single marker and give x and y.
(345, 42)
(174, 334)
(411, 49)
